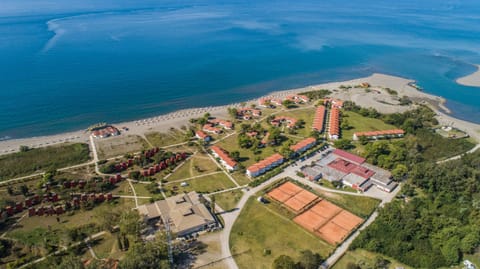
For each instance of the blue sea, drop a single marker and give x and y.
(66, 64)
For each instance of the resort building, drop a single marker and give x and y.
(395, 133)
(304, 145)
(298, 99)
(209, 128)
(248, 113)
(336, 103)
(277, 121)
(269, 102)
(184, 213)
(319, 119)
(225, 124)
(225, 159)
(334, 124)
(202, 136)
(351, 170)
(106, 132)
(348, 156)
(265, 165)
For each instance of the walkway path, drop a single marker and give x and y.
(134, 192)
(86, 240)
(460, 155)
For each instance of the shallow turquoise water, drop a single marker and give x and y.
(67, 64)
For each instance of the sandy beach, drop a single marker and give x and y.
(377, 98)
(472, 79)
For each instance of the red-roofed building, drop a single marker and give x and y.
(334, 123)
(209, 128)
(226, 124)
(291, 122)
(225, 159)
(349, 156)
(319, 119)
(395, 133)
(304, 145)
(203, 136)
(342, 165)
(298, 99)
(265, 165)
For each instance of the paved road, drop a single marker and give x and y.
(230, 217)
(460, 155)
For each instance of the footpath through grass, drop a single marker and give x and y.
(261, 235)
(41, 159)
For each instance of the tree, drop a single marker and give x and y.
(363, 140)
(345, 124)
(309, 260)
(283, 262)
(129, 223)
(235, 155)
(212, 203)
(381, 263)
(147, 255)
(344, 144)
(24, 190)
(288, 103)
(399, 172)
(24, 148)
(70, 262)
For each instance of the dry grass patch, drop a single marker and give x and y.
(119, 145)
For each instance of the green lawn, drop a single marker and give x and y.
(80, 217)
(41, 159)
(228, 200)
(206, 184)
(241, 178)
(365, 259)
(247, 157)
(360, 123)
(171, 137)
(107, 247)
(306, 114)
(120, 145)
(258, 229)
(197, 165)
(358, 205)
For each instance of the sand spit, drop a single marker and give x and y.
(472, 80)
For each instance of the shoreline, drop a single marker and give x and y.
(472, 80)
(379, 99)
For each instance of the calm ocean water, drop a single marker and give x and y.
(67, 64)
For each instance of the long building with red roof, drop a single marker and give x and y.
(319, 119)
(304, 145)
(225, 159)
(380, 134)
(265, 165)
(334, 123)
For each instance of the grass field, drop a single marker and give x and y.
(228, 200)
(306, 114)
(360, 123)
(247, 157)
(327, 184)
(199, 164)
(120, 145)
(171, 137)
(365, 259)
(41, 159)
(241, 178)
(206, 184)
(259, 229)
(358, 205)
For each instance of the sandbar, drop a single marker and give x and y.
(472, 80)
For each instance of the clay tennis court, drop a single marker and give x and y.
(292, 196)
(328, 221)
